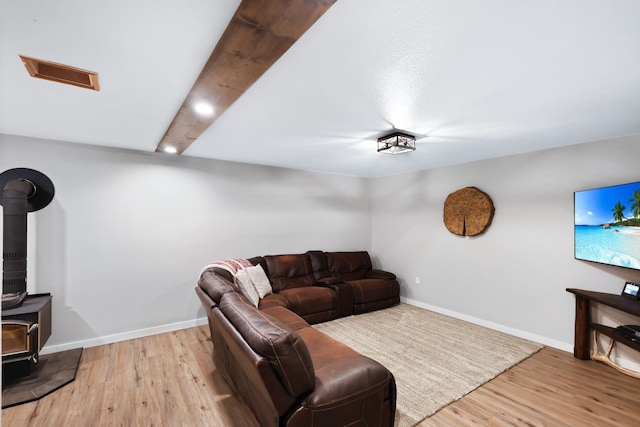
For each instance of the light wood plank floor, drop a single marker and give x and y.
(170, 380)
(551, 388)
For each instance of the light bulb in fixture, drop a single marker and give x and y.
(203, 108)
(171, 150)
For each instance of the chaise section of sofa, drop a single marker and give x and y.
(290, 374)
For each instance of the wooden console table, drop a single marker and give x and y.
(584, 325)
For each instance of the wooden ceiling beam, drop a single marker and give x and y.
(259, 33)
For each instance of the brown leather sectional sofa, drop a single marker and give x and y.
(287, 372)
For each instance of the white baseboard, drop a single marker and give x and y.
(109, 339)
(495, 326)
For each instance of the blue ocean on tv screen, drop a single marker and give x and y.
(607, 225)
(616, 245)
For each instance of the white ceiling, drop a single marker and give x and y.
(475, 79)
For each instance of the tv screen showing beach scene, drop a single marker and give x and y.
(607, 225)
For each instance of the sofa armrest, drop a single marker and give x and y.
(380, 274)
(345, 295)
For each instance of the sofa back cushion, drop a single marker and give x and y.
(349, 265)
(214, 285)
(319, 264)
(258, 260)
(276, 342)
(289, 271)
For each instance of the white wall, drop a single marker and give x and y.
(514, 275)
(123, 241)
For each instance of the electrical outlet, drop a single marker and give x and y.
(417, 280)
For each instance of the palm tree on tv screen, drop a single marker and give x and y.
(618, 212)
(635, 207)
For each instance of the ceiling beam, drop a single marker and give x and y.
(259, 33)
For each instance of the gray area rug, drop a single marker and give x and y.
(434, 358)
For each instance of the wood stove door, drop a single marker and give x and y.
(19, 337)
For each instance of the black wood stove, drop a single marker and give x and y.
(26, 319)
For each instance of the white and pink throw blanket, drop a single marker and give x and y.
(250, 279)
(232, 265)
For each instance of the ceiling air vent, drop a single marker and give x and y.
(61, 73)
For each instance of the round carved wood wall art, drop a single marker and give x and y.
(468, 212)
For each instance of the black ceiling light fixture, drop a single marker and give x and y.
(396, 143)
(23, 190)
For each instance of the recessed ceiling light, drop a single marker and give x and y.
(203, 108)
(170, 150)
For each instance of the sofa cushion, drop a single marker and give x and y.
(289, 271)
(319, 264)
(287, 317)
(367, 290)
(214, 286)
(273, 300)
(273, 340)
(310, 299)
(349, 265)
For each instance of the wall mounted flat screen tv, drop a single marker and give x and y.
(607, 225)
